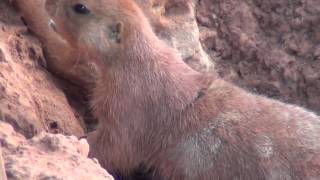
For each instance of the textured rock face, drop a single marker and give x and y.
(270, 47)
(47, 156)
(30, 98)
(174, 21)
(3, 174)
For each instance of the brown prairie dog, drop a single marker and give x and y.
(160, 117)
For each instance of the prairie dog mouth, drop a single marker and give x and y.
(52, 25)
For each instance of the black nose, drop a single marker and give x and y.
(52, 25)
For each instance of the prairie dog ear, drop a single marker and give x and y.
(116, 32)
(51, 7)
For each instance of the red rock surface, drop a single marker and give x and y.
(3, 175)
(47, 156)
(269, 47)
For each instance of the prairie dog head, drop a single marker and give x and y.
(96, 25)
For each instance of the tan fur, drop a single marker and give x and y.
(159, 115)
(62, 59)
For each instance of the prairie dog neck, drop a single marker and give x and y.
(145, 80)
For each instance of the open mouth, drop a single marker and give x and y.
(52, 25)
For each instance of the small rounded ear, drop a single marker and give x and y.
(116, 32)
(51, 7)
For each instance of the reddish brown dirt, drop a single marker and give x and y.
(269, 47)
(47, 156)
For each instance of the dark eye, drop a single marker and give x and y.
(81, 9)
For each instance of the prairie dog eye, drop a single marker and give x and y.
(81, 9)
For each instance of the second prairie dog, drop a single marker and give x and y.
(160, 117)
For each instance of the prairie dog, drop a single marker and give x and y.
(158, 114)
